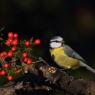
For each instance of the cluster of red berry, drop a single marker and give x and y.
(3, 72)
(13, 42)
(26, 59)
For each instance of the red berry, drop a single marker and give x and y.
(25, 59)
(37, 41)
(13, 48)
(6, 65)
(2, 72)
(8, 42)
(29, 61)
(10, 35)
(10, 54)
(9, 78)
(25, 54)
(15, 35)
(3, 54)
(15, 42)
(27, 43)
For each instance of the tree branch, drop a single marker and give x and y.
(55, 77)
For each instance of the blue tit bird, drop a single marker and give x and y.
(65, 57)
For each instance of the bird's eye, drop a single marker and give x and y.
(55, 44)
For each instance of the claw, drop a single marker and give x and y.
(49, 88)
(50, 81)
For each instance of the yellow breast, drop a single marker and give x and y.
(57, 51)
(62, 59)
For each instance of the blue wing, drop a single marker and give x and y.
(71, 53)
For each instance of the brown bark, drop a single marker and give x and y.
(56, 77)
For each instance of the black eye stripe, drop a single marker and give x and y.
(56, 41)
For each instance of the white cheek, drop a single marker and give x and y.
(55, 45)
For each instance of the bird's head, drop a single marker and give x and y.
(56, 42)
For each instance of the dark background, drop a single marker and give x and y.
(74, 20)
